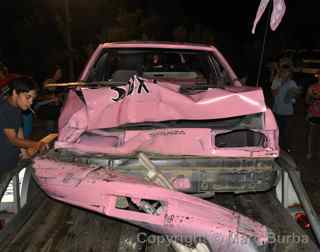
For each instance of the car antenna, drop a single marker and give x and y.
(264, 45)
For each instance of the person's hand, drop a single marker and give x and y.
(42, 146)
(39, 147)
(24, 154)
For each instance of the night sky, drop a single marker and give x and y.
(33, 31)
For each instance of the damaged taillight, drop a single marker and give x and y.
(240, 138)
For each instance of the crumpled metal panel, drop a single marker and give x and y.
(144, 101)
(173, 141)
(180, 216)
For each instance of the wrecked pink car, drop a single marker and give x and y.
(181, 103)
(150, 119)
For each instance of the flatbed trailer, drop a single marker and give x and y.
(44, 224)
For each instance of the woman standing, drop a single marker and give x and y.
(284, 90)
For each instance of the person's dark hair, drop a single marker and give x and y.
(3, 68)
(22, 84)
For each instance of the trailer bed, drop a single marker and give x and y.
(45, 224)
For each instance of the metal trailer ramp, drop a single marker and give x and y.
(44, 224)
(266, 209)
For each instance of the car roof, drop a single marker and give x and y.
(159, 44)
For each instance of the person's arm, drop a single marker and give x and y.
(24, 153)
(20, 142)
(294, 88)
(275, 87)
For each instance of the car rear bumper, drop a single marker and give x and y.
(189, 174)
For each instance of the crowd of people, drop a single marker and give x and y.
(285, 91)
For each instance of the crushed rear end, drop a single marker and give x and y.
(130, 151)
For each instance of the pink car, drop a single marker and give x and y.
(180, 102)
(148, 119)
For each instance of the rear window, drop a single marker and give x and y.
(177, 66)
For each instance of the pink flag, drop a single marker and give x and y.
(279, 8)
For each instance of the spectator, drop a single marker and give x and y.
(5, 79)
(284, 91)
(313, 117)
(22, 92)
(3, 71)
(5, 75)
(48, 106)
(55, 77)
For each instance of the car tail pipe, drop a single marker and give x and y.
(153, 174)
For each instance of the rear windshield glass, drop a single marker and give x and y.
(177, 66)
